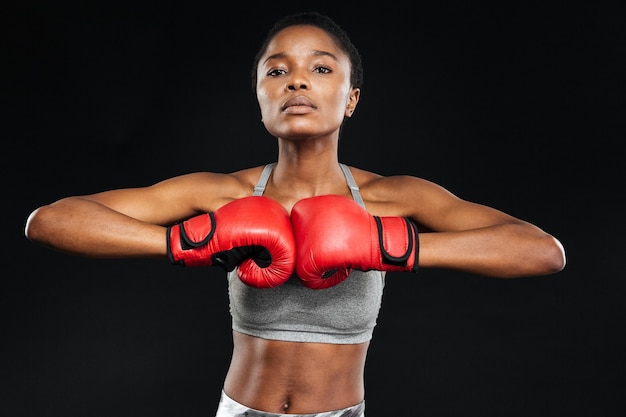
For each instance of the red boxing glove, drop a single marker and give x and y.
(251, 233)
(335, 235)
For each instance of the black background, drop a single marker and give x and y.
(516, 106)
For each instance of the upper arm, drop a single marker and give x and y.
(173, 199)
(433, 207)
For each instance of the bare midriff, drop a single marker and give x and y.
(294, 377)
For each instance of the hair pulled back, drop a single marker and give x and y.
(326, 24)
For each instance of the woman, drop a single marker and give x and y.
(307, 240)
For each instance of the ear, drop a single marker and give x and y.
(353, 100)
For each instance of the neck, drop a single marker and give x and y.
(308, 168)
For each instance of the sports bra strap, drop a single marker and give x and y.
(265, 175)
(354, 189)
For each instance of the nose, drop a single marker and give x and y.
(294, 87)
(298, 81)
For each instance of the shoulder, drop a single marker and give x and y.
(247, 177)
(208, 191)
(398, 195)
(381, 188)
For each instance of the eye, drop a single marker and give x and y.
(275, 72)
(322, 70)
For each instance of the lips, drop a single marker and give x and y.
(299, 101)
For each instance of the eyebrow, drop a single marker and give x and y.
(315, 52)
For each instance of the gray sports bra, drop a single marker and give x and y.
(343, 314)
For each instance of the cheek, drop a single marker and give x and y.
(340, 102)
(262, 99)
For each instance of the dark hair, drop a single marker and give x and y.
(326, 24)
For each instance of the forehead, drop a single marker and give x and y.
(303, 40)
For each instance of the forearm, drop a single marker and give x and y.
(83, 227)
(502, 251)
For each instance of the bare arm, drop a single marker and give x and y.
(83, 226)
(466, 236)
(504, 250)
(127, 222)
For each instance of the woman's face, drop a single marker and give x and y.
(303, 84)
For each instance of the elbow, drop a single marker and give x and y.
(554, 259)
(34, 229)
(543, 257)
